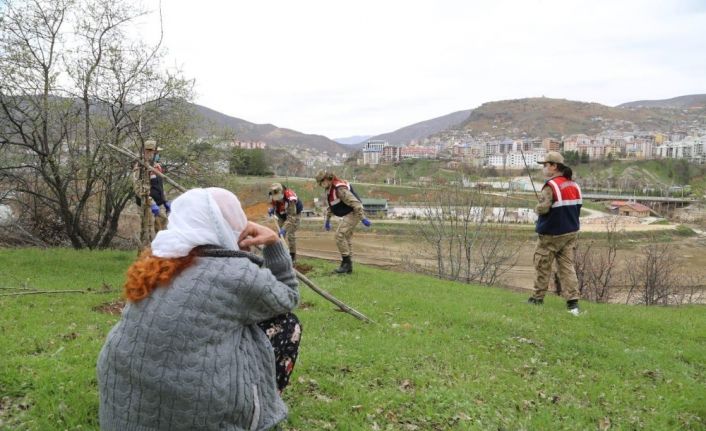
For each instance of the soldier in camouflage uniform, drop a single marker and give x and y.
(558, 227)
(287, 207)
(342, 202)
(149, 188)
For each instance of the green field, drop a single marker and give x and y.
(441, 356)
(370, 182)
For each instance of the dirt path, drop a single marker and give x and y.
(368, 249)
(389, 251)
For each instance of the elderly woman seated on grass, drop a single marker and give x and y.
(194, 347)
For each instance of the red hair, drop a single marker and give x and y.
(149, 271)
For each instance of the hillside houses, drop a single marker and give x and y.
(514, 153)
(691, 147)
(376, 152)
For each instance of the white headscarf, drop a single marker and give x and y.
(210, 216)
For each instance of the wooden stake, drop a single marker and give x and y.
(37, 292)
(353, 312)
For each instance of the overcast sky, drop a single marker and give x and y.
(342, 68)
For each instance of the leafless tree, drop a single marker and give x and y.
(691, 290)
(468, 239)
(73, 81)
(596, 267)
(651, 278)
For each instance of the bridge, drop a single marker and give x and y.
(636, 198)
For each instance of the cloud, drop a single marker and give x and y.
(368, 67)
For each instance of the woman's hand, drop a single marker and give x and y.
(255, 234)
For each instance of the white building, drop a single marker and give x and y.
(692, 148)
(515, 160)
(372, 152)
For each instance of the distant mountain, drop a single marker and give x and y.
(681, 102)
(423, 129)
(352, 140)
(544, 117)
(268, 133)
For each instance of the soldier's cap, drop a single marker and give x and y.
(275, 188)
(151, 144)
(552, 157)
(322, 175)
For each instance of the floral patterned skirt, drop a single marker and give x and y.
(284, 332)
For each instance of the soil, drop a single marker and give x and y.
(390, 251)
(257, 211)
(114, 308)
(303, 268)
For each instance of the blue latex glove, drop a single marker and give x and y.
(327, 225)
(155, 209)
(271, 211)
(366, 222)
(168, 206)
(282, 232)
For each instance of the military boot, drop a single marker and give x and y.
(346, 266)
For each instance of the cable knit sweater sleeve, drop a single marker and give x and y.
(265, 292)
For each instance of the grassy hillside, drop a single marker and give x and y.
(441, 356)
(643, 173)
(369, 181)
(253, 190)
(406, 172)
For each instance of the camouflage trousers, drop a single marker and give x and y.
(160, 222)
(559, 248)
(344, 234)
(155, 223)
(291, 234)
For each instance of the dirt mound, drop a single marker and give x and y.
(303, 267)
(305, 305)
(257, 211)
(115, 307)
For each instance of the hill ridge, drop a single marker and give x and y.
(269, 133)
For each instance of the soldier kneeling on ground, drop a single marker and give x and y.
(288, 208)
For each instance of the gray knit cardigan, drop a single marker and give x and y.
(191, 356)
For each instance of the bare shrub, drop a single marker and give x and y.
(467, 240)
(651, 279)
(596, 266)
(692, 290)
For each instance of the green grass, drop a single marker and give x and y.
(513, 232)
(651, 173)
(441, 356)
(407, 171)
(50, 343)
